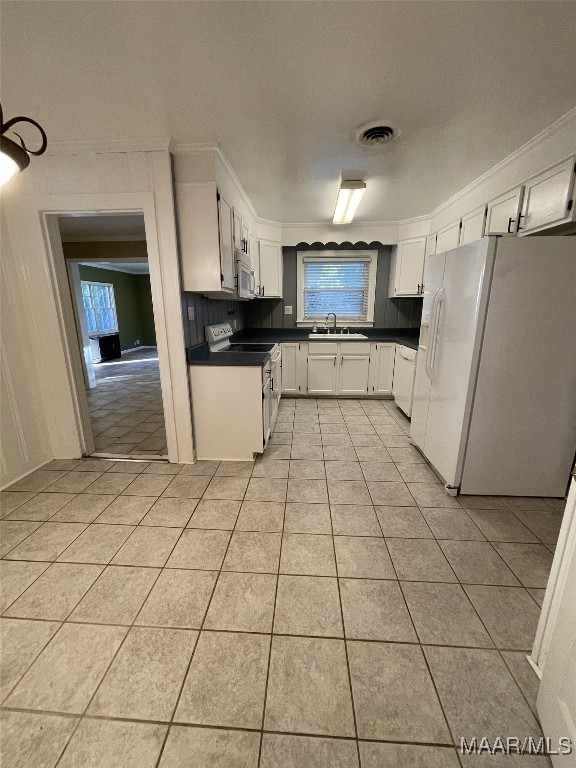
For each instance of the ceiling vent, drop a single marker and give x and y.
(375, 135)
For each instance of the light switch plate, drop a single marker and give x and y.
(191, 313)
(287, 310)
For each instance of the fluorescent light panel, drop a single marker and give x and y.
(349, 197)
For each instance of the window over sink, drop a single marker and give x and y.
(342, 282)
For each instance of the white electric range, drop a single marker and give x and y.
(235, 404)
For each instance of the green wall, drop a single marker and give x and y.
(133, 304)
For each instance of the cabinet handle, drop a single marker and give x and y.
(519, 227)
(508, 230)
(263, 291)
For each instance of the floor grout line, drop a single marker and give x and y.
(233, 474)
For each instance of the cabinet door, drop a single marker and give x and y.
(410, 267)
(430, 245)
(503, 212)
(321, 374)
(354, 370)
(270, 269)
(448, 237)
(547, 198)
(382, 369)
(254, 258)
(290, 368)
(237, 231)
(227, 264)
(473, 226)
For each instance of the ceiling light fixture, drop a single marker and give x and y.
(15, 157)
(349, 197)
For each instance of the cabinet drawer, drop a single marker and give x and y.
(322, 347)
(354, 348)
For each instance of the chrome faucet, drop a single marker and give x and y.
(326, 321)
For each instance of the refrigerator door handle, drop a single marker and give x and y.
(438, 300)
(431, 335)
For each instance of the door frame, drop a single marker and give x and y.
(565, 551)
(165, 284)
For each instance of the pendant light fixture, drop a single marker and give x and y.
(349, 197)
(14, 156)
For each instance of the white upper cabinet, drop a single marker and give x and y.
(448, 237)
(407, 268)
(548, 199)
(206, 239)
(254, 259)
(237, 232)
(270, 269)
(473, 225)
(245, 240)
(430, 245)
(503, 212)
(225, 228)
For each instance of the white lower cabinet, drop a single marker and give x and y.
(321, 374)
(354, 373)
(350, 369)
(291, 368)
(382, 369)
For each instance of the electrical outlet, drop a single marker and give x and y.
(191, 313)
(287, 309)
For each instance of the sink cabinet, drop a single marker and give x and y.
(354, 372)
(321, 374)
(330, 368)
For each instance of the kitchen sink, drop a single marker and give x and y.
(339, 336)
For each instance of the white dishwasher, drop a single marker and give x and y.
(404, 373)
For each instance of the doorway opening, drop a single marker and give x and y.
(108, 281)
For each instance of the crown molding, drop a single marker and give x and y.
(199, 148)
(236, 181)
(107, 146)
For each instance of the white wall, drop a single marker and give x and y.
(139, 180)
(25, 442)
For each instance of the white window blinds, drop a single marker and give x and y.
(339, 285)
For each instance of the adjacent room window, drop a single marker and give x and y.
(99, 307)
(336, 281)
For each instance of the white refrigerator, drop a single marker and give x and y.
(494, 407)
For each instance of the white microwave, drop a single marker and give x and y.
(245, 280)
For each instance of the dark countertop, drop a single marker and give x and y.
(407, 336)
(201, 355)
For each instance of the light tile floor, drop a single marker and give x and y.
(327, 606)
(125, 407)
